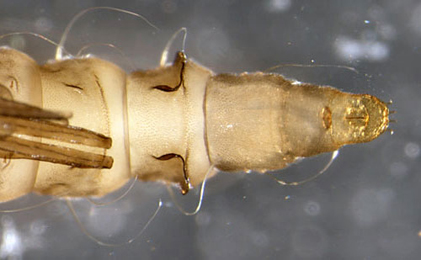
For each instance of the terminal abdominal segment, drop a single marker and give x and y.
(83, 127)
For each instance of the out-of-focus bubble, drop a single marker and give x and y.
(312, 208)
(168, 204)
(412, 150)
(17, 42)
(105, 220)
(203, 218)
(369, 206)
(11, 243)
(169, 6)
(276, 6)
(309, 242)
(415, 21)
(398, 169)
(59, 208)
(215, 43)
(43, 25)
(348, 49)
(260, 239)
(387, 31)
(397, 240)
(38, 227)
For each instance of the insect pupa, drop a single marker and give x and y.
(170, 124)
(177, 120)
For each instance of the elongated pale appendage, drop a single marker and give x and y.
(170, 124)
(60, 45)
(102, 243)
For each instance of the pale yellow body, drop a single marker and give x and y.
(170, 124)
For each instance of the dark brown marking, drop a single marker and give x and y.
(186, 185)
(166, 88)
(73, 86)
(326, 117)
(104, 101)
(181, 56)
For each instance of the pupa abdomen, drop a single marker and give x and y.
(170, 124)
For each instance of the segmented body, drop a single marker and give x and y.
(168, 124)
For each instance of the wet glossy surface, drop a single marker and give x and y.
(364, 207)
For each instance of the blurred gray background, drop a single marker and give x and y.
(366, 206)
